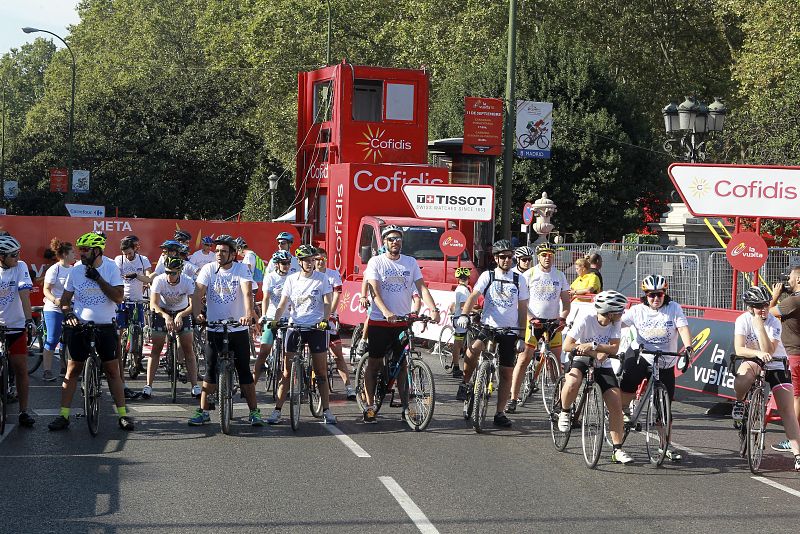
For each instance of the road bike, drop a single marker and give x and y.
(417, 389)
(37, 333)
(5, 371)
(587, 411)
(544, 369)
(753, 428)
(535, 137)
(486, 374)
(226, 368)
(199, 341)
(92, 377)
(355, 339)
(302, 381)
(133, 340)
(274, 364)
(176, 370)
(444, 347)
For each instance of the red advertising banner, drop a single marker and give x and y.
(58, 181)
(483, 126)
(747, 252)
(452, 243)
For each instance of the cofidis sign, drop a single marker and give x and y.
(738, 190)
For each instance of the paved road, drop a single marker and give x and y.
(169, 477)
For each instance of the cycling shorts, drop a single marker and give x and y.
(506, 347)
(777, 377)
(317, 340)
(634, 370)
(160, 325)
(603, 376)
(532, 337)
(17, 343)
(105, 342)
(125, 311)
(239, 344)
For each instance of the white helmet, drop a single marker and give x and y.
(610, 301)
(8, 245)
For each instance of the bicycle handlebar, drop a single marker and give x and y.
(225, 322)
(758, 361)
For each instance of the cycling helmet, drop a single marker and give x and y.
(305, 251)
(503, 245)
(391, 228)
(207, 240)
(610, 301)
(183, 249)
(654, 282)
(182, 235)
(281, 255)
(285, 236)
(170, 244)
(463, 272)
(173, 264)
(523, 252)
(9, 245)
(757, 296)
(225, 239)
(91, 240)
(545, 248)
(240, 243)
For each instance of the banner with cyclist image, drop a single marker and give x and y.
(534, 129)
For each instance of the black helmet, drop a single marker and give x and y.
(544, 248)
(757, 296)
(225, 239)
(503, 245)
(173, 264)
(182, 235)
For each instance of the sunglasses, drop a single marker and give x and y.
(393, 239)
(545, 254)
(526, 258)
(759, 306)
(504, 256)
(320, 259)
(284, 263)
(171, 273)
(12, 255)
(655, 294)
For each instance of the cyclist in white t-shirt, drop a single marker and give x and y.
(205, 254)
(523, 256)
(15, 313)
(309, 293)
(285, 240)
(91, 293)
(226, 286)
(456, 308)
(171, 304)
(53, 288)
(272, 289)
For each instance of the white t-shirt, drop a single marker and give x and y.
(200, 259)
(396, 283)
(657, 329)
(173, 297)
(273, 286)
(545, 292)
(294, 267)
(224, 299)
(501, 301)
(307, 295)
(461, 295)
(89, 301)
(56, 276)
(587, 328)
(12, 281)
(249, 259)
(134, 289)
(744, 327)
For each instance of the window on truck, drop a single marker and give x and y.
(368, 100)
(422, 242)
(323, 101)
(368, 239)
(399, 102)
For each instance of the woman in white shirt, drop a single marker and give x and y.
(54, 280)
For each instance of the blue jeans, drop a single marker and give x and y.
(52, 322)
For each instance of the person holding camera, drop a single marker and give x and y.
(788, 312)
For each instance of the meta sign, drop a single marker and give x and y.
(453, 202)
(738, 190)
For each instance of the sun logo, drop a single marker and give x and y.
(699, 187)
(343, 302)
(372, 140)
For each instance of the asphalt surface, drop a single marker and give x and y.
(169, 477)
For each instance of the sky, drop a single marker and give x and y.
(51, 15)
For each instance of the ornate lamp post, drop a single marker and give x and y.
(273, 185)
(690, 123)
(544, 209)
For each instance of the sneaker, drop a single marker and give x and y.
(328, 418)
(620, 457)
(797, 463)
(48, 376)
(626, 417)
(370, 416)
(462, 392)
(274, 418)
(351, 393)
(126, 422)
(563, 422)
(674, 455)
(738, 411)
(147, 392)
(196, 391)
(511, 405)
(200, 417)
(59, 423)
(457, 372)
(502, 420)
(783, 446)
(132, 395)
(255, 418)
(26, 420)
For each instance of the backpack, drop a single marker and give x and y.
(259, 269)
(492, 280)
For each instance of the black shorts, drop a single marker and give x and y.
(604, 376)
(334, 338)
(635, 369)
(160, 325)
(105, 342)
(383, 339)
(317, 340)
(506, 346)
(777, 377)
(239, 344)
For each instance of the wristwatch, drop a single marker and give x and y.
(594, 345)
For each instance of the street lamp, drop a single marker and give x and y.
(690, 123)
(71, 106)
(273, 185)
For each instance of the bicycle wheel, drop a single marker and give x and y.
(592, 425)
(526, 388)
(361, 385)
(314, 395)
(295, 387)
(525, 140)
(199, 349)
(224, 395)
(658, 423)
(3, 394)
(173, 363)
(756, 422)
(560, 439)
(91, 394)
(358, 333)
(277, 371)
(445, 346)
(542, 142)
(35, 349)
(130, 352)
(548, 378)
(421, 396)
(483, 393)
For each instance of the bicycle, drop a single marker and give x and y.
(536, 137)
(226, 368)
(588, 409)
(485, 376)
(133, 340)
(542, 371)
(444, 347)
(175, 369)
(37, 333)
(92, 376)
(419, 387)
(753, 428)
(199, 341)
(4, 374)
(302, 382)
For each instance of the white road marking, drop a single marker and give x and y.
(775, 485)
(411, 509)
(682, 447)
(347, 441)
(157, 408)
(47, 411)
(9, 428)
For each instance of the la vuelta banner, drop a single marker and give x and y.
(713, 345)
(483, 126)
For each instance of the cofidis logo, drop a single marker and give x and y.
(374, 144)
